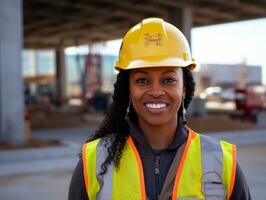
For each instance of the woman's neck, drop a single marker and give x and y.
(159, 137)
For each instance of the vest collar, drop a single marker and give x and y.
(139, 137)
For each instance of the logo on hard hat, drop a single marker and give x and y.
(152, 39)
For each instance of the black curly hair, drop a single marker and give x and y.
(115, 124)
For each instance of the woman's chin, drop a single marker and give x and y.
(156, 121)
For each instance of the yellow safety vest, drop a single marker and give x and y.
(206, 171)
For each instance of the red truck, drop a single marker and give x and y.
(249, 102)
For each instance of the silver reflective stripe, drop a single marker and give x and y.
(212, 168)
(211, 155)
(105, 182)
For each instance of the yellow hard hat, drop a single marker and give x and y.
(154, 43)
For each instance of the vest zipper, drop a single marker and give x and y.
(157, 172)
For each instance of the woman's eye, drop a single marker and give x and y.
(142, 81)
(169, 81)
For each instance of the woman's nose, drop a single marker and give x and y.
(156, 91)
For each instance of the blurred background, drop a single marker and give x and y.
(57, 76)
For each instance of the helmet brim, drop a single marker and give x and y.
(169, 62)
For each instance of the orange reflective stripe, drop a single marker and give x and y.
(191, 135)
(233, 174)
(141, 176)
(85, 173)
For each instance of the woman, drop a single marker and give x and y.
(143, 149)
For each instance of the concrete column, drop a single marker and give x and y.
(61, 76)
(11, 84)
(182, 18)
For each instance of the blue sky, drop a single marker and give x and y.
(229, 43)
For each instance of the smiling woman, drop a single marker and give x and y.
(143, 149)
(156, 95)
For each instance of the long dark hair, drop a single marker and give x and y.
(115, 126)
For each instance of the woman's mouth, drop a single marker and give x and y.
(156, 108)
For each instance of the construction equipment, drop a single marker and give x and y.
(249, 102)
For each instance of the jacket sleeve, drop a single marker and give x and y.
(241, 189)
(77, 189)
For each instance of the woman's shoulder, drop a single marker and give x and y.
(98, 144)
(105, 139)
(209, 138)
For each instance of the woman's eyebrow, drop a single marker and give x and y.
(169, 71)
(139, 71)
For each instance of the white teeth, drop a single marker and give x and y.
(156, 105)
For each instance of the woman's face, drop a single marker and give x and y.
(156, 94)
